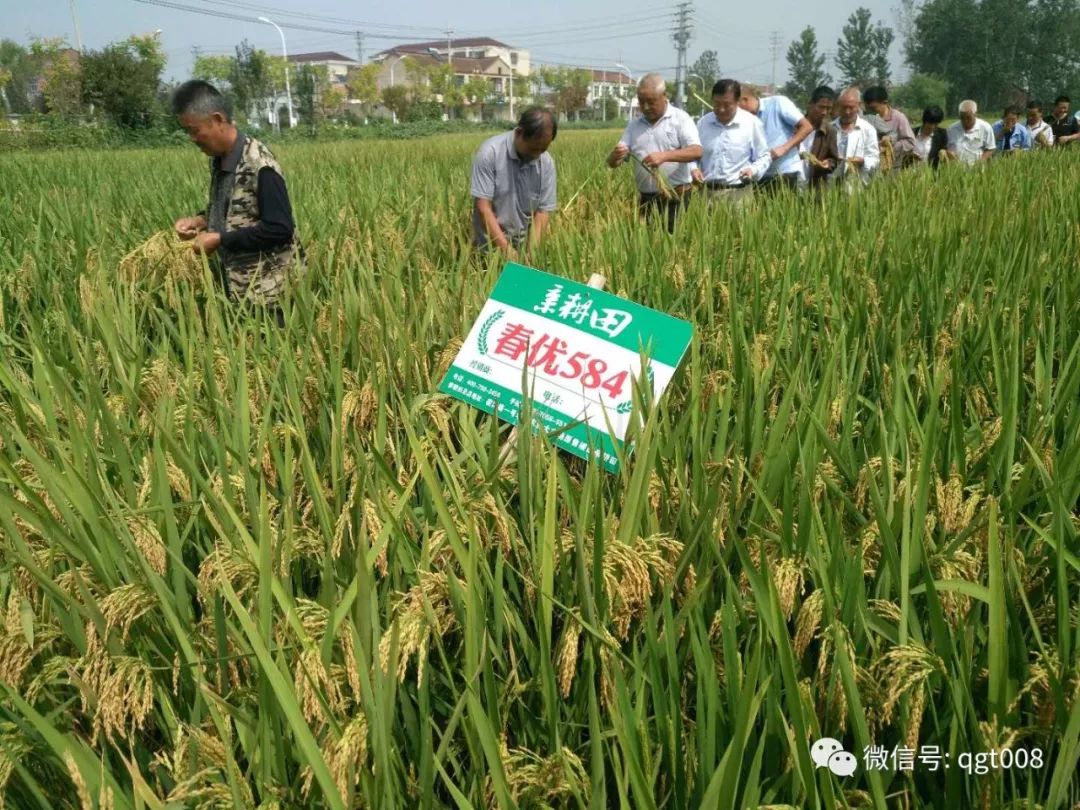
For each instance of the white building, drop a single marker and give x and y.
(479, 48)
(504, 68)
(337, 65)
(616, 85)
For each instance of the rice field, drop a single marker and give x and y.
(250, 567)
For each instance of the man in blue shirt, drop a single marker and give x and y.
(1010, 134)
(785, 128)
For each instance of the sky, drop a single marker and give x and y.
(597, 33)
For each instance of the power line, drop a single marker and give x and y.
(577, 25)
(607, 38)
(284, 12)
(227, 15)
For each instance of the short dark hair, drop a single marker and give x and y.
(197, 97)
(933, 115)
(725, 86)
(824, 91)
(1060, 99)
(537, 121)
(1012, 109)
(1034, 105)
(877, 93)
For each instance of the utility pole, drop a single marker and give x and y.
(681, 36)
(775, 42)
(75, 23)
(360, 47)
(449, 53)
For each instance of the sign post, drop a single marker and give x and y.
(579, 349)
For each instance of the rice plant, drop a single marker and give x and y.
(251, 567)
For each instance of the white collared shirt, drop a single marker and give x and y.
(921, 150)
(860, 141)
(1047, 133)
(730, 148)
(673, 130)
(969, 146)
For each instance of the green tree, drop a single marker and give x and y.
(62, 79)
(1053, 62)
(19, 70)
(806, 66)
(475, 93)
(993, 51)
(568, 88)
(122, 80)
(707, 66)
(862, 54)
(218, 70)
(251, 81)
(363, 84)
(444, 85)
(398, 99)
(919, 92)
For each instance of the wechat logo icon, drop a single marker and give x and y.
(830, 753)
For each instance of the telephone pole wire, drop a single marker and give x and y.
(681, 36)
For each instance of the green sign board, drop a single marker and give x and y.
(579, 348)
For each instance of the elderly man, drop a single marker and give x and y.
(822, 153)
(890, 124)
(1066, 128)
(734, 149)
(665, 141)
(971, 140)
(513, 184)
(248, 225)
(1042, 136)
(857, 142)
(785, 129)
(1011, 136)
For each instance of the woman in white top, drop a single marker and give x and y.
(930, 138)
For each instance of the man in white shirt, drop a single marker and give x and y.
(735, 152)
(1042, 134)
(856, 141)
(785, 129)
(665, 141)
(971, 140)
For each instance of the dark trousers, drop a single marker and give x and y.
(777, 183)
(655, 204)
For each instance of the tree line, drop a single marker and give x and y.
(996, 52)
(992, 51)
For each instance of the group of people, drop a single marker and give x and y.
(746, 145)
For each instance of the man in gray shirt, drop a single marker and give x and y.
(513, 184)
